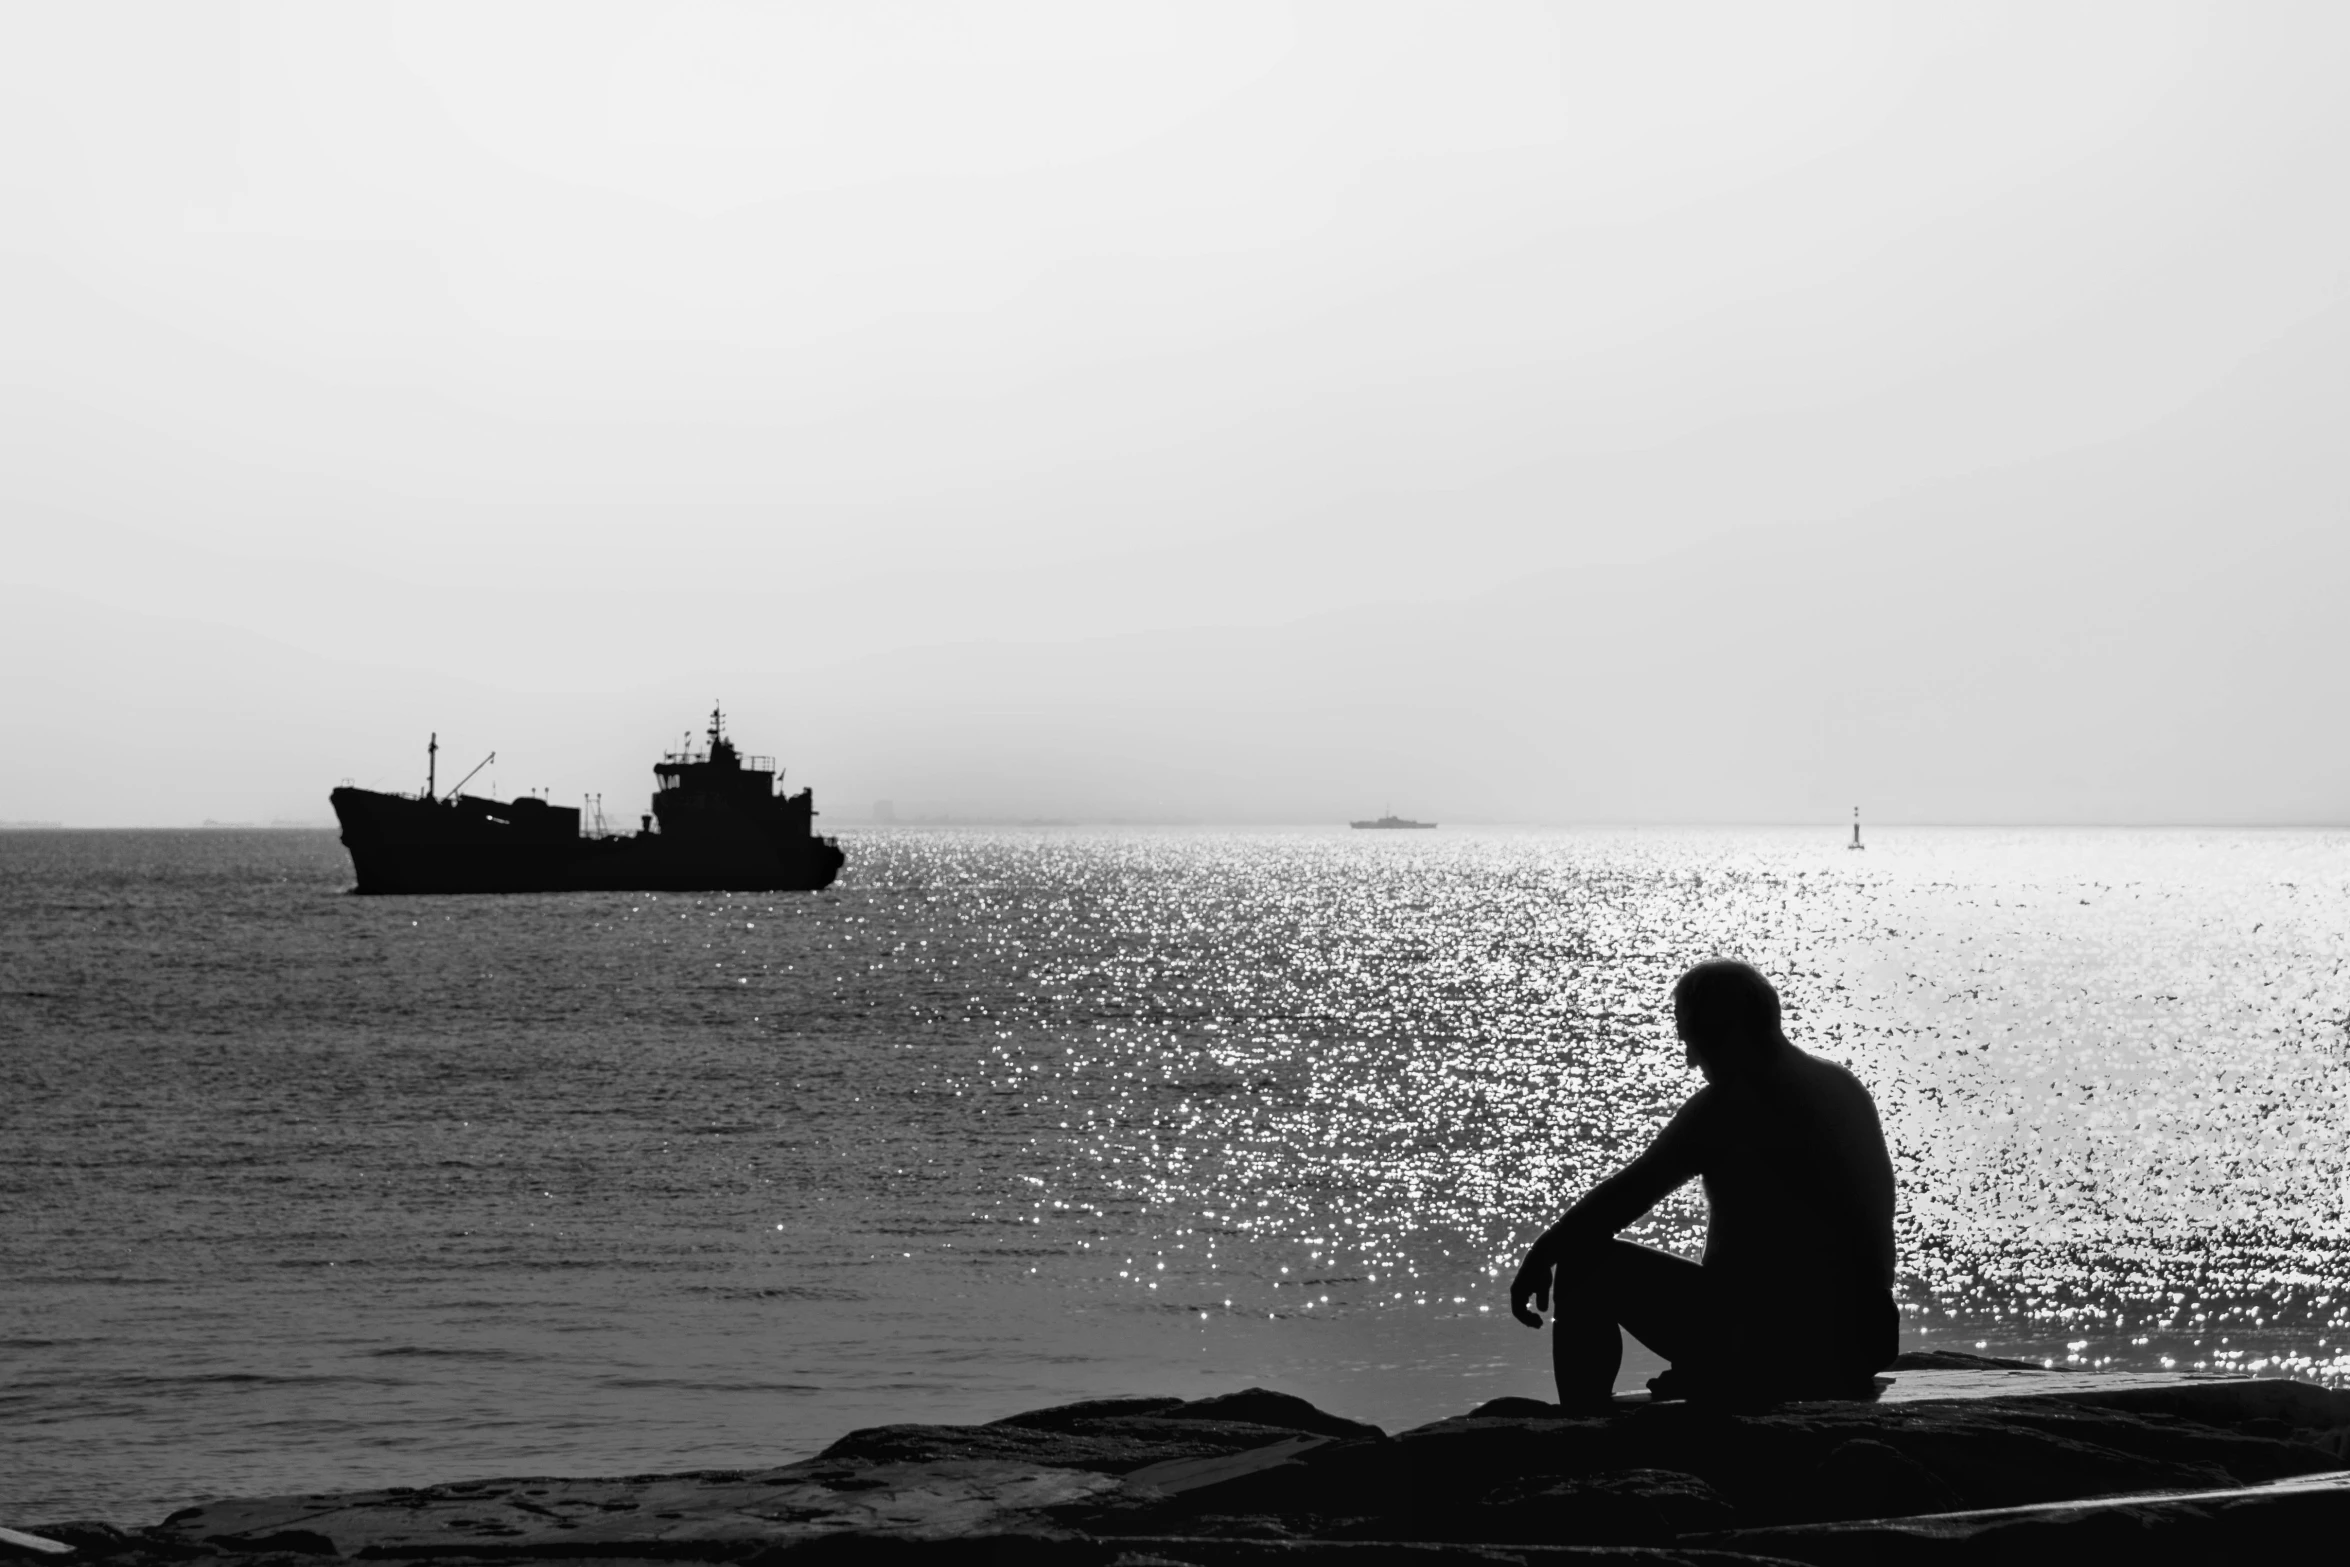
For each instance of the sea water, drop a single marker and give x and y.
(305, 1190)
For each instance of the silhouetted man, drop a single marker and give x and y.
(1794, 1297)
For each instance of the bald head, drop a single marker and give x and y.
(1727, 1013)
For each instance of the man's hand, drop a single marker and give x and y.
(1532, 1282)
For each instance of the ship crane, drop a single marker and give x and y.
(468, 778)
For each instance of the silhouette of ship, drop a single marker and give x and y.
(717, 825)
(1392, 821)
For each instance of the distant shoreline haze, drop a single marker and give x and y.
(2110, 683)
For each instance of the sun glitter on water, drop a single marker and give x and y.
(1287, 1073)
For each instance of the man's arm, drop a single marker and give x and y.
(1675, 1156)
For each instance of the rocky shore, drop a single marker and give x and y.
(1959, 1460)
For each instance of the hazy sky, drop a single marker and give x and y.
(519, 369)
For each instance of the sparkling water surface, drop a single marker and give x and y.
(305, 1190)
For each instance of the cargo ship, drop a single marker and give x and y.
(719, 823)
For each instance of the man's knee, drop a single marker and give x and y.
(1619, 1278)
(1587, 1279)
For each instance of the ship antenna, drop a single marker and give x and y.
(432, 759)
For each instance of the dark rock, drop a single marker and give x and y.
(1025, 1550)
(2292, 1521)
(1067, 1417)
(1114, 1445)
(1110, 1435)
(1250, 1406)
(1867, 1479)
(1422, 1485)
(2010, 1451)
(1958, 1360)
(1516, 1409)
(1983, 1476)
(1990, 1453)
(1614, 1507)
(2211, 1401)
(2334, 1443)
(1225, 1471)
(1264, 1407)
(1449, 1480)
(286, 1542)
(90, 1540)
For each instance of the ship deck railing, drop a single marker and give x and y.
(750, 764)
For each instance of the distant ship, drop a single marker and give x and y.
(718, 824)
(1392, 821)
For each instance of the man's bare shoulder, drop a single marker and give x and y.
(1705, 1102)
(1833, 1078)
(1835, 1099)
(1697, 1121)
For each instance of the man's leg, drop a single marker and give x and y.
(1660, 1299)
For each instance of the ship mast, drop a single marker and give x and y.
(1856, 843)
(432, 758)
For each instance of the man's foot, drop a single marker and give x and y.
(1672, 1382)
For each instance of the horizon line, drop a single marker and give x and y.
(34, 825)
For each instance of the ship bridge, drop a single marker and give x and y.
(718, 791)
(685, 766)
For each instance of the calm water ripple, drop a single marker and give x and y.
(303, 1189)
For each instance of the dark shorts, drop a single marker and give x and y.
(1822, 1339)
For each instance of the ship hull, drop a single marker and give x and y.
(648, 864)
(400, 845)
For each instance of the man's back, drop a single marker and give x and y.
(1798, 1185)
